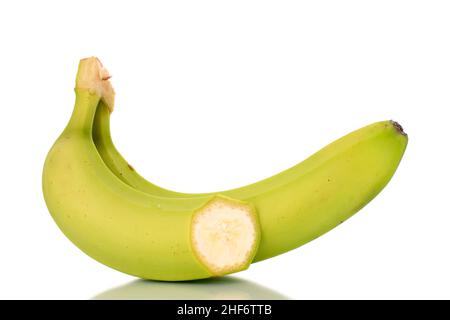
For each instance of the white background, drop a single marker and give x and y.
(216, 94)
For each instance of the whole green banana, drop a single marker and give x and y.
(172, 236)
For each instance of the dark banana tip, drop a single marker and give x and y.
(398, 127)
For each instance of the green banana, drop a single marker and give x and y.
(164, 235)
(143, 235)
(127, 173)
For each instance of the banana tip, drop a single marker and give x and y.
(398, 127)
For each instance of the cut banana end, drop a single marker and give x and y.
(225, 235)
(92, 75)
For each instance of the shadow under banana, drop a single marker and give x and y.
(229, 288)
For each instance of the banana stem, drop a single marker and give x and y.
(84, 111)
(92, 86)
(93, 76)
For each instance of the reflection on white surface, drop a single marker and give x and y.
(228, 288)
